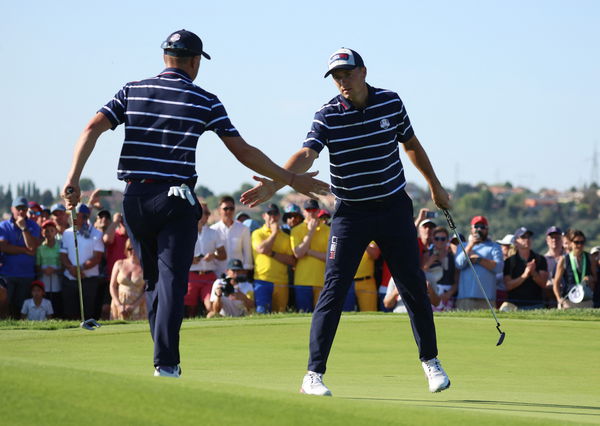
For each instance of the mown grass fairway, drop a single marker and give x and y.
(248, 371)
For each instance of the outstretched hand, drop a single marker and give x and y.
(304, 183)
(263, 191)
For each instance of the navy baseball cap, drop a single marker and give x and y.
(183, 43)
(553, 230)
(82, 208)
(235, 264)
(271, 209)
(522, 231)
(311, 205)
(58, 207)
(345, 59)
(20, 201)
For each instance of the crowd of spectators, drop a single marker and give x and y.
(243, 266)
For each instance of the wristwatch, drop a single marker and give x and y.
(273, 254)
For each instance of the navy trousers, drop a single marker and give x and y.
(388, 222)
(163, 232)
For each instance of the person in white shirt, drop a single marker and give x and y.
(209, 249)
(37, 308)
(91, 249)
(236, 236)
(232, 296)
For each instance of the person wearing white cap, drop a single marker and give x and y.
(508, 249)
(363, 128)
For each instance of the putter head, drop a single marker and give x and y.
(90, 324)
(502, 335)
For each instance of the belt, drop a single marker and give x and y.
(202, 272)
(363, 278)
(153, 181)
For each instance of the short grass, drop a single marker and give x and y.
(248, 371)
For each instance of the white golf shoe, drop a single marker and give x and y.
(437, 377)
(312, 384)
(167, 371)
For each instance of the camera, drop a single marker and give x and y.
(479, 234)
(227, 286)
(431, 215)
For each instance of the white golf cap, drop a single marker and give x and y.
(343, 58)
(507, 240)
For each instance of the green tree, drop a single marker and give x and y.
(86, 184)
(203, 192)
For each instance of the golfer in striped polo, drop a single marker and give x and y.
(164, 116)
(362, 128)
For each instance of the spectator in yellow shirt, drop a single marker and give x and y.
(363, 290)
(272, 255)
(309, 243)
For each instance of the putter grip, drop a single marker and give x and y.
(449, 219)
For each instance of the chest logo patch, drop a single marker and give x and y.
(384, 123)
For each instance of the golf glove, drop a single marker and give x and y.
(182, 191)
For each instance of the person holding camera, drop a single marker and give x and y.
(486, 256)
(232, 295)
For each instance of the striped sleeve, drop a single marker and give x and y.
(219, 121)
(405, 130)
(114, 110)
(317, 136)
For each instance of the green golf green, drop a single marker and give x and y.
(248, 371)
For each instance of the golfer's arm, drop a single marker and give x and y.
(417, 155)
(86, 143)
(255, 159)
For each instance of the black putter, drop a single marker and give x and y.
(453, 227)
(89, 324)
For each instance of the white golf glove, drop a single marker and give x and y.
(182, 191)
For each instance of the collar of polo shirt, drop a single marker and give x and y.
(348, 105)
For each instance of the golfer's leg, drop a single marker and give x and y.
(90, 290)
(175, 254)
(139, 220)
(399, 247)
(346, 246)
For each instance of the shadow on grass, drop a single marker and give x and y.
(519, 407)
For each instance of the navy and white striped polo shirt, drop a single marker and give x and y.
(363, 144)
(164, 116)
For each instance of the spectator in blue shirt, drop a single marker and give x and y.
(486, 256)
(19, 239)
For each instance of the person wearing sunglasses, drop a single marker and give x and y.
(486, 256)
(577, 269)
(235, 235)
(525, 273)
(441, 272)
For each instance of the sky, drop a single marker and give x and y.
(496, 90)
